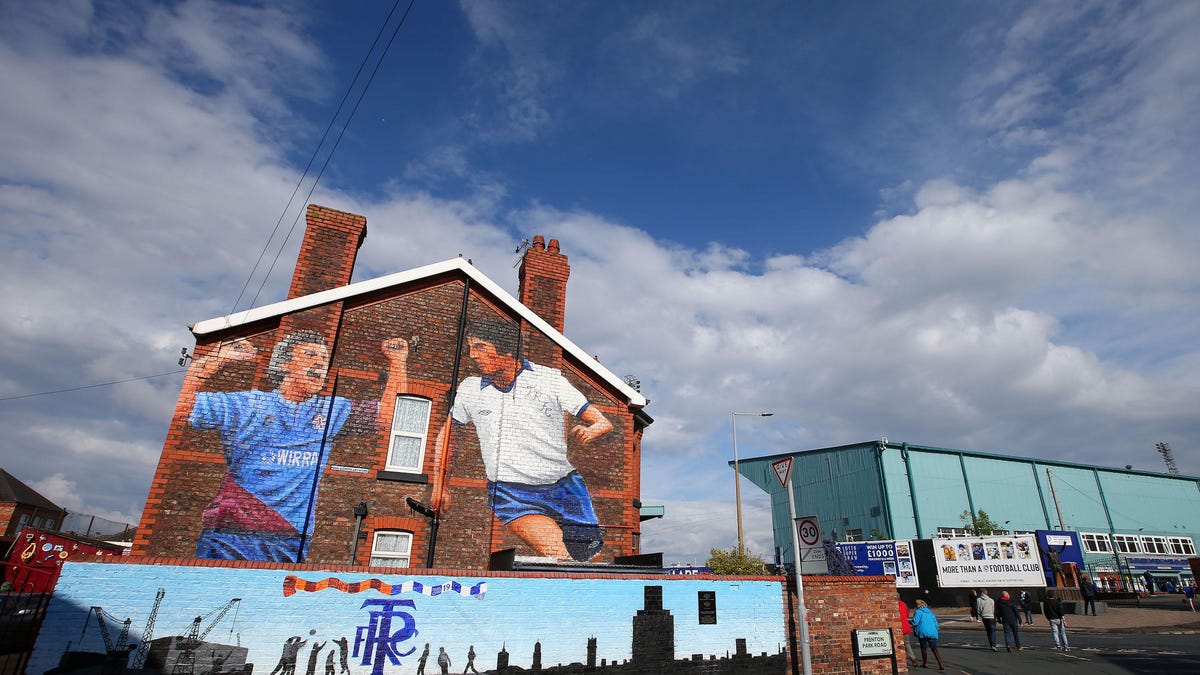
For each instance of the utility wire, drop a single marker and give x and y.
(361, 95)
(291, 199)
(93, 386)
(316, 151)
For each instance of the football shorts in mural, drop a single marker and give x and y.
(566, 501)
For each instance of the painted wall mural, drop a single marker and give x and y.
(275, 443)
(522, 414)
(218, 620)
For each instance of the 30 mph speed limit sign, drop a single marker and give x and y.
(812, 551)
(809, 530)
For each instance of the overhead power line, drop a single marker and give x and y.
(295, 191)
(316, 151)
(93, 386)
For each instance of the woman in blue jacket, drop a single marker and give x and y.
(925, 625)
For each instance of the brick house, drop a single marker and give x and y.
(421, 419)
(21, 506)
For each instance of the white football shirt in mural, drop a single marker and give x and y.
(522, 436)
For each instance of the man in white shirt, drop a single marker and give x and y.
(519, 411)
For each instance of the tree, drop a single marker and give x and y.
(980, 523)
(733, 561)
(836, 562)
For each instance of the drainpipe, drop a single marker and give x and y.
(1041, 495)
(1111, 532)
(962, 465)
(360, 512)
(883, 493)
(912, 489)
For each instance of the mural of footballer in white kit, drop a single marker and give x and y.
(519, 412)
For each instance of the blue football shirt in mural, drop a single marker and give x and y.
(273, 452)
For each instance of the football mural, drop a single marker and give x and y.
(522, 414)
(275, 443)
(219, 620)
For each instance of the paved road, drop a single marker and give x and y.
(966, 651)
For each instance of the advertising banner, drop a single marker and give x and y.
(988, 561)
(882, 558)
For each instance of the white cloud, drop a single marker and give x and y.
(1050, 308)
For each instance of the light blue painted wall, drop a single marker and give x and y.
(510, 612)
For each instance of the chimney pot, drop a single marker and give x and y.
(543, 280)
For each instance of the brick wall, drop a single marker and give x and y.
(839, 605)
(427, 315)
(328, 251)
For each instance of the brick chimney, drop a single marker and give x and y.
(544, 273)
(326, 260)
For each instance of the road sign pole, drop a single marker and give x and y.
(805, 655)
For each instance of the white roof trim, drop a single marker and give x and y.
(333, 295)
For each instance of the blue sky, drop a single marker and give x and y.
(960, 225)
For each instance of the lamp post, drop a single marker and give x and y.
(737, 476)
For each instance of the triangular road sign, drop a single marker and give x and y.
(782, 469)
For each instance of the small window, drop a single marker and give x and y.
(951, 532)
(22, 521)
(1182, 546)
(1127, 543)
(391, 549)
(854, 534)
(1155, 545)
(410, 424)
(1096, 542)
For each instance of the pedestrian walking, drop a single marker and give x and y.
(1052, 609)
(1008, 614)
(1088, 590)
(907, 630)
(1189, 594)
(925, 625)
(443, 661)
(972, 603)
(987, 614)
(1027, 607)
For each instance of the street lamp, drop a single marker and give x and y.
(737, 477)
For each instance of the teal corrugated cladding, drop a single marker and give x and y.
(899, 495)
(841, 487)
(1078, 498)
(1005, 489)
(940, 491)
(845, 487)
(1158, 506)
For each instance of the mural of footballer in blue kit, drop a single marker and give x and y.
(519, 412)
(276, 444)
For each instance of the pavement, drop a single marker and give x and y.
(1162, 613)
